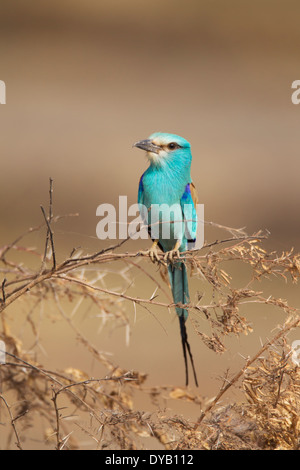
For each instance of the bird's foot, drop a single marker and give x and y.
(170, 255)
(153, 253)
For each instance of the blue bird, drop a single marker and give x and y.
(167, 201)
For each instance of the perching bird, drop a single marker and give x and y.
(167, 200)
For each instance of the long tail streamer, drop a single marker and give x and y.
(180, 291)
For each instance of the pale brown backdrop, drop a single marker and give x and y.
(87, 79)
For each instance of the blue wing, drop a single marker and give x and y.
(188, 204)
(142, 208)
(141, 191)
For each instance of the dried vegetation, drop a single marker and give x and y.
(63, 402)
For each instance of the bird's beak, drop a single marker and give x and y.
(147, 145)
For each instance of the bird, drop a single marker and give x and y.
(167, 200)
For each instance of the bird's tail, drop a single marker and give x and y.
(180, 289)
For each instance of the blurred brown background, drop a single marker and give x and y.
(85, 80)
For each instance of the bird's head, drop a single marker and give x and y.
(164, 148)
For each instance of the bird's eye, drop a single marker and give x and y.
(173, 146)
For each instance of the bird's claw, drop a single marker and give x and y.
(153, 253)
(169, 256)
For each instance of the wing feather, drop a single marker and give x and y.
(188, 203)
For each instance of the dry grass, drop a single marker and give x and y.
(104, 409)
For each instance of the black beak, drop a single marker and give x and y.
(147, 145)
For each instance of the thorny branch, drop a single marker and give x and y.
(12, 422)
